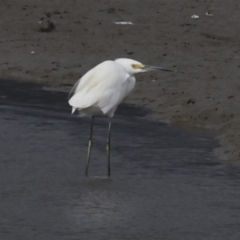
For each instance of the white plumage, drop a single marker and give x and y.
(102, 89)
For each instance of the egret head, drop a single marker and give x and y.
(133, 66)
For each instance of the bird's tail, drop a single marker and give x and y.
(73, 109)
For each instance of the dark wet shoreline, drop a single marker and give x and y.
(166, 183)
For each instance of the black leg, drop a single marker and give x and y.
(108, 146)
(90, 143)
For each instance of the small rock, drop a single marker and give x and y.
(190, 102)
(209, 14)
(194, 16)
(46, 26)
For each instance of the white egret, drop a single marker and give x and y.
(102, 89)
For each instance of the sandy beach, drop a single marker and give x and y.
(55, 43)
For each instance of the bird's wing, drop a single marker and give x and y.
(98, 86)
(73, 89)
(114, 96)
(81, 81)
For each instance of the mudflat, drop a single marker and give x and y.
(55, 42)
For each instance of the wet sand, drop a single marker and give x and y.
(54, 43)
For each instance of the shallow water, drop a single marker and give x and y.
(165, 184)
